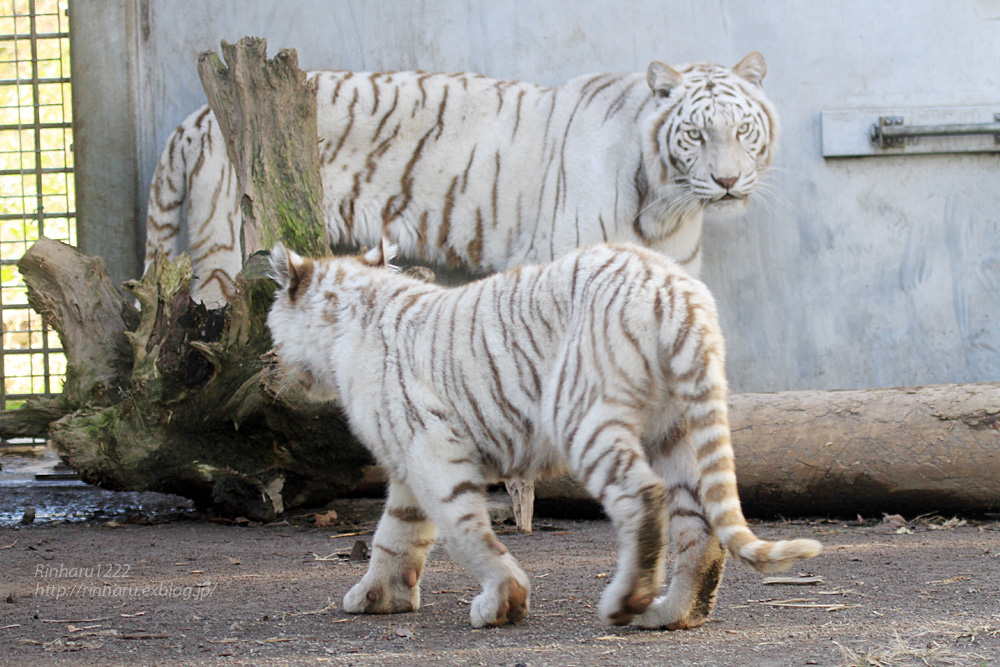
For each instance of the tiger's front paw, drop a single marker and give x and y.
(383, 595)
(508, 603)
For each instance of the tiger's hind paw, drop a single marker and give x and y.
(662, 615)
(619, 609)
(383, 595)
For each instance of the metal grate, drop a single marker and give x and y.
(36, 183)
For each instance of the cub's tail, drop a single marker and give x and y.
(698, 364)
(719, 496)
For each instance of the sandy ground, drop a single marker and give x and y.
(191, 592)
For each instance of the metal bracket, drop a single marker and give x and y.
(897, 131)
(892, 132)
(881, 138)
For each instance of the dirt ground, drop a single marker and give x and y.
(185, 591)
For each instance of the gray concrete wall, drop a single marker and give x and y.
(848, 273)
(109, 195)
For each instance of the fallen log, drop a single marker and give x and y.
(907, 451)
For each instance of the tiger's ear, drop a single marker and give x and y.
(752, 68)
(381, 255)
(279, 265)
(662, 78)
(292, 272)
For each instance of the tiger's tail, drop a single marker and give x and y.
(698, 364)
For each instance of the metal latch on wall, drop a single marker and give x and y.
(892, 131)
(911, 131)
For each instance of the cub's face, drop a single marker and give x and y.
(715, 132)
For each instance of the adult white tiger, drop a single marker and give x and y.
(464, 170)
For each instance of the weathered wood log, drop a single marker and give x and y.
(915, 450)
(74, 296)
(266, 110)
(909, 450)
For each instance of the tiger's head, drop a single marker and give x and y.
(309, 309)
(712, 136)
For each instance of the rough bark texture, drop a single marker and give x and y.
(73, 294)
(922, 449)
(912, 450)
(267, 112)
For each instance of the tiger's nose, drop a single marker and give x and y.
(727, 183)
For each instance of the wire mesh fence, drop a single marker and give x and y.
(36, 182)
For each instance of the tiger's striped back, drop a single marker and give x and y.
(608, 361)
(461, 170)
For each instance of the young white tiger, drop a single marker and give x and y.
(607, 362)
(464, 170)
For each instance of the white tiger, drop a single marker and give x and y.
(464, 170)
(608, 362)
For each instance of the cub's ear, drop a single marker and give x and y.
(381, 255)
(279, 265)
(752, 68)
(662, 78)
(292, 272)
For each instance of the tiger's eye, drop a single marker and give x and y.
(694, 135)
(743, 128)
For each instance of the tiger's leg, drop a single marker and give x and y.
(402, 541)
(699, 558)
(453, 493)
(607, 457)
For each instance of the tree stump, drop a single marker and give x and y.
(180, 399)
(199, 410)
(267, 112)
